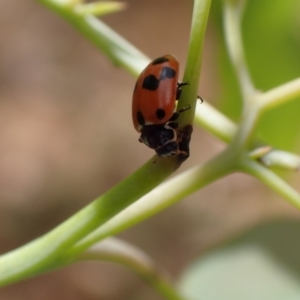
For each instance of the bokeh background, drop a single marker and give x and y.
(66, 136)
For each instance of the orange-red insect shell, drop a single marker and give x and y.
(155, 93)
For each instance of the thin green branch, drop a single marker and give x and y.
(279, 95)
(194, 60)
(160, 198)
(119, 51)
(179, 187)
(215, 122)
(281, 159)
(233, 12)
(223, 128)
(232, 15)
(46, 252)
(99, 8)
(272, 180)
(50, 250)
(245, 133)
(117, 251)
(261, 103)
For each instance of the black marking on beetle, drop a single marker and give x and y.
(179, 85)
(160, 113)
(167, 72)
(184, 143)
(155, 136)
(167, 150)
(150, 83)
(160, 60)
(183, 83)
(173, 125)
(140, 118)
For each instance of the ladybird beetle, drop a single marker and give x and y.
(153, 106)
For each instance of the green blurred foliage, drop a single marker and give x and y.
(271, 34)
(263, 264)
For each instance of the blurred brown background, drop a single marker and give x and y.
(60, 146)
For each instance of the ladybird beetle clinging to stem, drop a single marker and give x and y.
(153, 106)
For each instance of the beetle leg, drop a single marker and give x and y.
(179, 85)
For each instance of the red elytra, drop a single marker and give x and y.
(155, 92)
(153, 105)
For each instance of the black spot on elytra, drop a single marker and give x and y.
(150, 83)
(160, 60)
(167, 72)
(140, 118)
(160, 114)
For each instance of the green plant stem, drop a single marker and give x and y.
(160, 198)
(223, 128)
(281, 159)
(194, 59)
(254, 102)
(123, 54)
(272, 180)
(255, 109)
(232, 15)
(233, 11)
(279, 95)
(215, 122)
(99, 8)
(122, 253)
(51, 250)
(45, 253)
(119, 51)
(245, 132)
